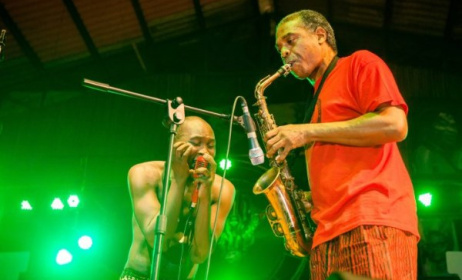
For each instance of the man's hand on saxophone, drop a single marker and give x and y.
(285, 139)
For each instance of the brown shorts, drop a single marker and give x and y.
(378, 252)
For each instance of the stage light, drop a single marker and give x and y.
(25, 205)
(85, 242)
(63, 257)
(57, 204)
(426, 199)
(225, 164)
(73, 201)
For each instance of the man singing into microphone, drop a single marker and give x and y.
(192, 202)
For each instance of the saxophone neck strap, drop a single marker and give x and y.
(311, 105)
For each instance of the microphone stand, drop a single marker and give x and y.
(175, 117)
(110, 89)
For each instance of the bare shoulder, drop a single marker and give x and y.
(228, 188)
(145, 174)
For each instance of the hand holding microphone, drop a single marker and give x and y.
(204, 170)
(201, 162)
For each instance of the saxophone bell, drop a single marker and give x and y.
(281, 212)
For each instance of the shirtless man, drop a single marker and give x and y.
(182, 243)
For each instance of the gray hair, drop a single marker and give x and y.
(311, 20)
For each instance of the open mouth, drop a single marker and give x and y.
(192, 162)
(202, 162)
(290, 62)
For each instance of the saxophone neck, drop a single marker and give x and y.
(266, 81)
(261, 86)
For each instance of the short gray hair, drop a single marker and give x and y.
(311, 20)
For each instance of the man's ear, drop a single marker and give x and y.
(321, 33)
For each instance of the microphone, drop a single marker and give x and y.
(255, 152)
(200, 162)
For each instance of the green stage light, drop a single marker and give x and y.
(73, 201)
(85, 242)
(225, 164)
(25, 205)
(63, 257)
(426, 199)
(57, 204)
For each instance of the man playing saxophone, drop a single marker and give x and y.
(362, 196)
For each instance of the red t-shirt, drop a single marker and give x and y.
(354, 186)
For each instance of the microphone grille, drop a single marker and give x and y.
(256, 156)
(201, 162)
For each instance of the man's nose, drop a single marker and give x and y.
(202, 150)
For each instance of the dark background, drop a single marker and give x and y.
(59, 138)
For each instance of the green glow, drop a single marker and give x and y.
(426, 199)
(57, 204)
(227, 166)
(63, 257)
(73, 201)
(312, 82)
(25, 205)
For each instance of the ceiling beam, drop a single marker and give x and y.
(330, 10)
(388, 14)
(199, 14)
(387, 21)
(256, 7)
(451, 19)
(22, 41)
(74, 13)
(142, 21)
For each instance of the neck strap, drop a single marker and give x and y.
(311, 105)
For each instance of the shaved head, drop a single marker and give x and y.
(194, 126)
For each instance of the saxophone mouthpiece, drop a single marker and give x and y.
(285, 69)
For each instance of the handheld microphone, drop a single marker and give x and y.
(200, 162)
(255, 152)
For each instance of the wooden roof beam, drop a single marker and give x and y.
(74, 13)
(13, 28)
(142, 21)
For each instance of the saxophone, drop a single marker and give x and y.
(286, 211)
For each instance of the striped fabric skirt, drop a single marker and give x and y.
(376, 252)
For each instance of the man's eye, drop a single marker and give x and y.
(195, 144)
(292, 40)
